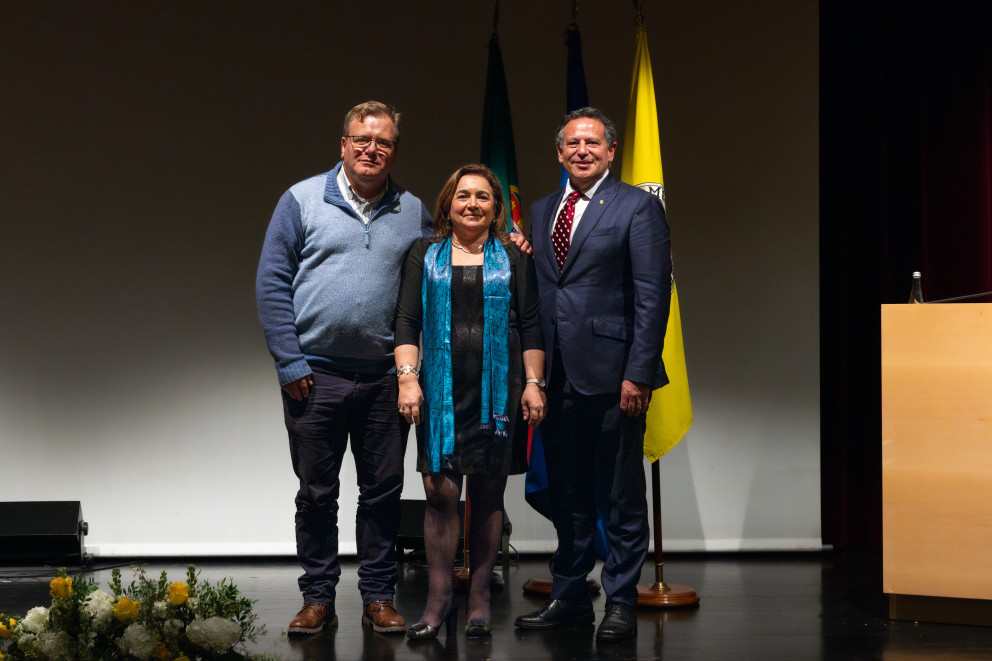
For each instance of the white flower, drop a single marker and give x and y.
(99, 608)
(172, 628)
(56, 646)
(160, 609)
(36, 620)
(27, 643)
(192, 603)
(138, 641)
(214, 634)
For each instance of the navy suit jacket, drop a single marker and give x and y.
(609, 303)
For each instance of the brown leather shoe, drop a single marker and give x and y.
(383, 617)
(313, 618)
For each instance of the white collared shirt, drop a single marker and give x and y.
(363, 207)
(580, 204)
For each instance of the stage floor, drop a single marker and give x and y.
(774, 606)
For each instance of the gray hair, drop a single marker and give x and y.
(610, 130)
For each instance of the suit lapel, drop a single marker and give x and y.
(549, 219)
(594, 212)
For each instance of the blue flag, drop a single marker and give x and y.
(536, 486)
(576, 94)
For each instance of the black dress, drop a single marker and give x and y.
(475, 450)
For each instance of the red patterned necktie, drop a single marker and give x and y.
(562, 233)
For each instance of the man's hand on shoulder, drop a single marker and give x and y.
(299, 389)
(634, 397)
(521, 242)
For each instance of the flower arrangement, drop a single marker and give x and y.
(149, 620)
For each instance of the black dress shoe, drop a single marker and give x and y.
(619, 623)
(558, 613)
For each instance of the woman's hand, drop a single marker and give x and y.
(410, 398)
(534, 404)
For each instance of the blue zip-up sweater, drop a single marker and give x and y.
(327, 282)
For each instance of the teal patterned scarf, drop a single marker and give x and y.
(436, 294)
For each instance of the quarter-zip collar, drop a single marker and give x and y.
(333, 195)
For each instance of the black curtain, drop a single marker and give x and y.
(905, 185)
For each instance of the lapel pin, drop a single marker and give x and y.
(600, 201)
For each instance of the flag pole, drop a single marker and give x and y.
(506, 156)
(462, 575)
(659, 594)
(576, 96)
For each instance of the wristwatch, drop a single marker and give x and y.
(540, 382)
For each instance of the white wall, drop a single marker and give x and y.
(146, 146)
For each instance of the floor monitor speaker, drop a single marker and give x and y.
(42, 532)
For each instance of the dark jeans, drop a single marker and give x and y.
(362, 407)
(591, 445)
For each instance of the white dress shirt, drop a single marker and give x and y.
(580, 204)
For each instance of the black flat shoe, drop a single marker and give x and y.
(424, 631)
(619, 623)
(558, 613)
(476, 629)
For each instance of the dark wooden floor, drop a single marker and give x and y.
(802, 606)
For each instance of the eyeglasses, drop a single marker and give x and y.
(362, 142)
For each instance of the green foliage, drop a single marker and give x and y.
(149, 618)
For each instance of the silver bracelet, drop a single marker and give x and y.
(406, 369)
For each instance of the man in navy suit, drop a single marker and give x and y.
(604, 278)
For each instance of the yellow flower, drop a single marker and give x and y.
(178, 593)
(161, 653)
(126, 610)
(60, 587)
(6, 628)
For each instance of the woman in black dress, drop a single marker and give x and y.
(473, 295)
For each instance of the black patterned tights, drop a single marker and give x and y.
(441, 528)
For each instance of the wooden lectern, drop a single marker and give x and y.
(937, 462)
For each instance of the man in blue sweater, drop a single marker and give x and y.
(326, 288)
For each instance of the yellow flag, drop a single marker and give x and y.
(670, 414)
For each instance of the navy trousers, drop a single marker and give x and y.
(361, 407)
(588, 440)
